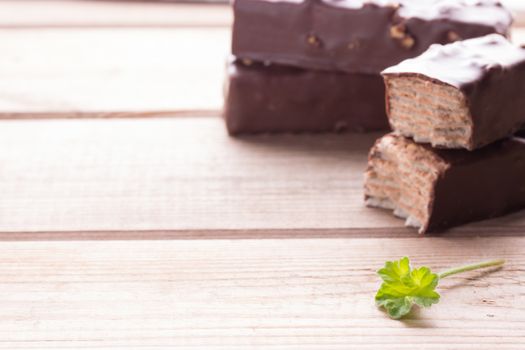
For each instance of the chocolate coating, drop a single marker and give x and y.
(479, 185)
(356, 35)
(274, 98)
(489, 71)
(445, 188)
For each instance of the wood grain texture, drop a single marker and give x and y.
(104, 13)
(110, 14)
(101, 71)
(164, 233)
(256, 294)
(182, 174)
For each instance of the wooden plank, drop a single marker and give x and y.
(183, 178)
(110, 14)
(257, 294)
(113, 72)
(183, 174)
(75, 175)
(64, 13)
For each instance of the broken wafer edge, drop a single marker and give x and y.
(401, 177)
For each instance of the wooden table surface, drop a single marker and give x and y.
(129, 219)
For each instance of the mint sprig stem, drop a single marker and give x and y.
(471, 267)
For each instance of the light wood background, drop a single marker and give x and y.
(129, 219)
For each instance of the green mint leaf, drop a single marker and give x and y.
(403, 287)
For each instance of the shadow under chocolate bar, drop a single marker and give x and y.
(434, 189)
(263, 98)
(363, 36)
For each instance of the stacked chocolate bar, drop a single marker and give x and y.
(452, 158)
(314, 65)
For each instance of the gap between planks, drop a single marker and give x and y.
(194, 113)
(257, 234)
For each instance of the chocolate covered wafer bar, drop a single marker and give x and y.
(434, 189)
(262, 98)
(462, 95)
(357, 36)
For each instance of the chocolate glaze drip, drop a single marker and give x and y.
(355, 35)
